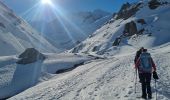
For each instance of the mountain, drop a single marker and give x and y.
(67, 31)
(102, 67)
(135, 25)
(16, 35)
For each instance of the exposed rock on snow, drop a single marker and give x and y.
(153, 4)
(30, 55)
(127, 11)
(130, 29)
(117, 41)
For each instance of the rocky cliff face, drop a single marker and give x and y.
(127, 11)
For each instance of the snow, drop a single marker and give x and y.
(109, 79)
(15, 77)
(63, 61)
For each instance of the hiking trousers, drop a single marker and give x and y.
(145, 79)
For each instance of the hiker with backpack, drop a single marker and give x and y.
(138, 54)
(145, 66)
(136, 58)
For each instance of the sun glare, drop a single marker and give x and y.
(46, 2)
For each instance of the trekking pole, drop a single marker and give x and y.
(155, 76)
(155, 89)
(135, 79)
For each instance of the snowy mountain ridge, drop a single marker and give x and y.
(135, 25)
(16, 35)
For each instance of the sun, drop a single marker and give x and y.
(46, 2)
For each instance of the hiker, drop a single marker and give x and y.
(138, 54)
(145, 66)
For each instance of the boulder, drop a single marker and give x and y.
(130, 29)
(30, 55)
(153, 4)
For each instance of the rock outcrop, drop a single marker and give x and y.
(130, 29)
(127, 11)
(30, 55)
(153, 4)
(117, 41)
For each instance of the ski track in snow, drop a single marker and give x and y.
(109, 79)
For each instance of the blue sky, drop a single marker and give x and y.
(20, 6)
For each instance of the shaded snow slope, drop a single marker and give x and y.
(14, 78)
(109, 79)
(153, 33)
(16, 35)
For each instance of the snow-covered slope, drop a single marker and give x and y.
(111, 77)
(66, 32)
(134, 26)
(16, 35)
(14, 78)
(108, 79)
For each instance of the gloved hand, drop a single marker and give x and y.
(155, 76)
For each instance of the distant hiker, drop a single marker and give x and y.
(145, 66)
(138, 54)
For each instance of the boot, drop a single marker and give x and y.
(144, 96)
(149, 96)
